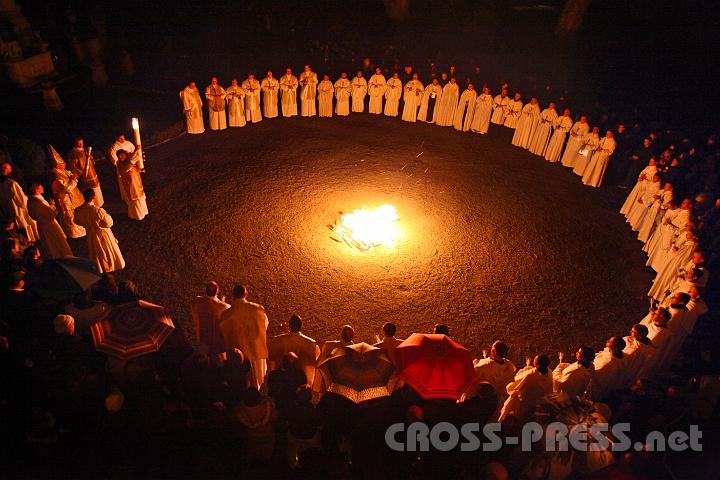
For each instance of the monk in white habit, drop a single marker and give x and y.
(120, 144)
(541, 135)
(67, 196)
(308, 86)
(376, 89)
(270, 88)
(447, 105)
(465, 108)
(288, 93)
(595, 171)
(82, 163)
(609, 369)
(244, 326)
(252, 99)
(428, 110)
(530, 385)
(529, 118)
(483, 111)
(514, 107)
(496, 369)
(643, 181)
(681, 257)
(659, 335)
(53, 242)
(393, 92)
(102, 246)
(359, 91)
(343, 91)
(192, 106)
(500, 107)
(301, 345)
(235, 98)
(673, 222)
(215, 95)
(131, 183)
(412, 98)
(561, 127)
(577, 134)
(206, 311)
(574, 378)
(590, 144)
(638, 353)
(13, 203)
(325, 97)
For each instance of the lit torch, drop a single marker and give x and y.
(138, 143)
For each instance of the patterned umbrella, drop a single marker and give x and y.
(434, 365)
(62, 278)
(358, 372)
(132, 330)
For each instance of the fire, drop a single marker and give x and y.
(364, 229)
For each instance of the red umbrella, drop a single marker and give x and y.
(132, 330)
(434, 365)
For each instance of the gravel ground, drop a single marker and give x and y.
(495, 242)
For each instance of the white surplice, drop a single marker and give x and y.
(393, 92)
(412, 98)
(577, 134)
(252, 100)
(376, 89)
(541, 135)
(595, 171)
(464, 111)
(270, 88)
(433, 93)
(343, 89)
(192, 106)
(529, 117)
(325, 98)
(590, 144)
(512, 117)
(482, 113)
(308, 87)
(235, 98)
(500, 108)
(359, 91)
(561, 127)
(53, 243)
(447, 105)
(102, 246)
(529, 386)
(215, 96)
(288, 97)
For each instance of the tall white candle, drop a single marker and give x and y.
(136, 131)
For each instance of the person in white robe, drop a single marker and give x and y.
(131, 184)
(67, 197)
(103, 248)
(644, 180)
(192, 106)
(215, 95)
(681, 325)
(514, 107)
(376, 90)
(325, 97)
(660, 336)
(447, 105)
(81, 162)
(343, 90)
(590, 144)
(465, 108)
(288, 97)
(308, 87)
(235, 98)
(561, 127)
(525, 128)
(412, 98)
(428, 105)
(496, 369)
(574, 378)
(500, 108)
(530, 385)
(13, 203)
(483, 112)
(252, 99)
(674, 221)
(577, 134)
(595, 171)
(541, 135)
(681, 257)
(306, 348)
(638, 353)
(53, 243)
(638, 211)
(270, 88)
(359, 91)
(393, 92)
(120, 144)
(655, 212)
(609, 369)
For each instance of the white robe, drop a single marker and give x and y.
(13, 205)
(252, 100)
(215, 96)
(342, 96)
(102, 246)
(661, 338)
(676, 259)
(590, 144)
(637, 357)
(609, 374)
(325, 98)
(561, 127)
(64, 187)
(53, 243)
(638, 211)
(497, 374)
(244, 326)
(359, 90)
(541, 135)
(431, 91)
(529, 117)
(129, 148)
(393, 92)
(577, 134)
(595, 171)
(644, 179)
(235, 98)
(654, 213)
(513, 113)
(308, 85)
(447, 105)
(270, 88)
(376, 89)
(572, 378)
(288, 98)
(412, 98)
(674, 221)
(500, 108)
(192, 106)
(464, 111)
(524, 392)
(482, 113)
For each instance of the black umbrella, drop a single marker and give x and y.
(63, 278)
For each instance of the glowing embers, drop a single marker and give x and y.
(365, 229)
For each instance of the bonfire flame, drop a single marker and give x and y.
(364, 229)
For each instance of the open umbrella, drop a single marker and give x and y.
(434, 365)
(132, 329)
(62, 278)
(358, 372)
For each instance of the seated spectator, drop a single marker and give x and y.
(255, 415)
(574, 378)
(496, 369)
(304, 347)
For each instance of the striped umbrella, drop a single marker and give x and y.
(132, 329)
(62, 278)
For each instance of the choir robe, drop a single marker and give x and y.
(674, 221)
(67, 196)
(428, 110)
(308, 85)
(497, 374)
(524, 392)
(572, 378)
(500, 106)
(359, 90)
(192, 106)
(53, 243)
(13, 206)
(644, 179)
(482, 113)
(270, 88)
(447, 105)
(677, 257)
(81, 165)
(215, 95)
(412, 98)
(681, 325)
(638, 211)
(342, 96)
(288, 97)
(637, 357)
(609, 374)
(595, 171)
(131, 183)
(252, 100)
(205, 312)
(590, 144)
(512, 117)
(103, 248)
(244, 326)
(541, 135)
(648, 224)
(561, 127)
(376, 89)
(393, 92)
(529, 117)
(235, 99)
(301, 345)
(577, 134)
(325, 98)
(661, 338)
(129, 148)
(464, 111)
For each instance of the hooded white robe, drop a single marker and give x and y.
(215, 96)
(541, 135)
(514, 108)
(343, 89)
(53, 243)
(577, 134)
(529, 117)
(235, 98)
(561, 127)
(638, 211)
(482, 113)
(192, 106)
(500, 108)
(308, 87)
(649, 222)
(252, 100)
(325, 98)
(676, 258)
(644, 180)
(412, 97)
(674, 221)
(102, 246)
(376, 89)
(288, 97)
(595, 171)
(270, 88)
(432, 93)
(244, 326)
(464, 111)
(524, 392)
(393, 92)
(447, 105)
(359, 90)
(590, 144)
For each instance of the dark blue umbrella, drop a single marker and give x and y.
(62, 278)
